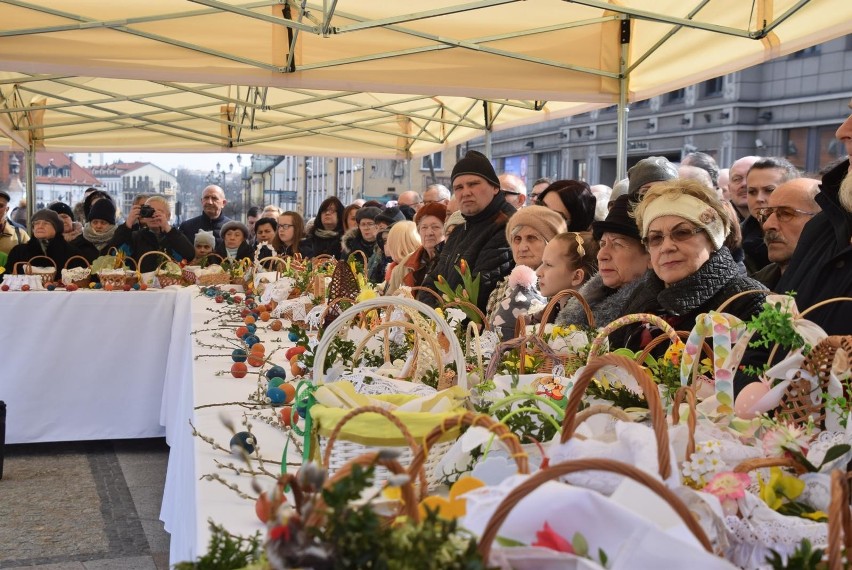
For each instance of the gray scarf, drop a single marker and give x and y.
(607, 304)
(326, 234)
(101, 240)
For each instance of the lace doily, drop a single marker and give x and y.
(761, 529)
(278, 291)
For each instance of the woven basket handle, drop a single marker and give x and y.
(362, 255)
(472, 339)
(839, 521)
(661, 339)
(86, 261)
(554, 302)
(652, 395)
(597, 344)
(519, 343)
(573, 466)
(763, 462)
(408, 504)
(688, 393)
(409, 439)
(211, 254)
(739, 295)
(432, 292)
(597, 410)
(344, 318)
(509, 439)
(29, 266)
(146, 254)
(419, 333)
(468, 305)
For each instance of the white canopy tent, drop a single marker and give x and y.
(360, 77)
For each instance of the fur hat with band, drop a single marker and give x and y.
(476, 163)
(689, 208)
(433, 209)
(234, 225)
(390, 216)
(542, 219)
(102, 210)
(368, 213)
(51, 217)
(651, 169)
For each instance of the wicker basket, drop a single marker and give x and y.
(162, 279)
(47, 274)
(82, 282)
(562, 470)
(342, 449)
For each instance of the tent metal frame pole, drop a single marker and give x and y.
(31, 182)
(623, 110)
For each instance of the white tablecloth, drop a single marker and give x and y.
(188, 502)
(88, 364)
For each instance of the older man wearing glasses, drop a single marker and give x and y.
(788, 209)
(514, 189)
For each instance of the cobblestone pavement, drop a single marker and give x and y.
(84, 506)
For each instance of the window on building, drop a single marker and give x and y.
(807, 52)
(675, 96)
(437, 161)
(642, 104)
(548, 165)
(796, 147)
(580, 170)
(713, 87)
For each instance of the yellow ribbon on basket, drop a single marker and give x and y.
(420, 414)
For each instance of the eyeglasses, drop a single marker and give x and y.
(783, 213)
(678, 234)
(512, 192)
(286, 226)
(366, 225)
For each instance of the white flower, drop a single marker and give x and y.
(455, 316)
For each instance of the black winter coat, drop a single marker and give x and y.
(481, 242)
(681, 303)
(756, 254)
(137, 243)
(58, 250)
(191, 226)
(314, 245)
(353, 241)
(821, 266)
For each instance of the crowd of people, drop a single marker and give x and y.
(674, 240)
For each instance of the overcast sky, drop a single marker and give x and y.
(169, 161)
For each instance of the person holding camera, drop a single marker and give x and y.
(155, 233)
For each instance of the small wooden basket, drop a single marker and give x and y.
(83, 282)
(46, 276)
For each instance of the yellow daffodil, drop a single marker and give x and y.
(780, 486)
(456, 505)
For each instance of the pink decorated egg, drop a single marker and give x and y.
(744, 406)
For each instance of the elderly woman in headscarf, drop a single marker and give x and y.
(47, 240)
(98, 231)
(528, 231)
(622, 261)
(684, 226)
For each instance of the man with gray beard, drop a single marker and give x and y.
(821, 266)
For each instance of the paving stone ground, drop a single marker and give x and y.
(84, 506)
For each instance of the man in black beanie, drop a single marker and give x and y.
(481, 240)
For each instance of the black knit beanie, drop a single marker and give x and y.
(476, 163)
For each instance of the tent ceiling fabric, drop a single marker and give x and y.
(365, 78)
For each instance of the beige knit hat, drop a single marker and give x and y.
(542, 219)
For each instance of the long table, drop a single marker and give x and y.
(203, 379)
(90, 364)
